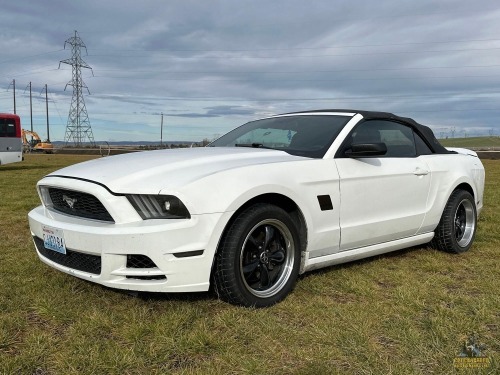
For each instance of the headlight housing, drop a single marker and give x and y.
(45, 196)
(159, 207)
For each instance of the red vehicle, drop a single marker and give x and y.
(11, 146)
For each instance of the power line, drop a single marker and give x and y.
(254, 79)
(141, 51)
(301, 71)
(30, 56)
(305, 48)
(379, 52)
(307, 72)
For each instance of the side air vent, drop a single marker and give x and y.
(325, 202)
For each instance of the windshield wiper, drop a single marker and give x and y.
(253, 145)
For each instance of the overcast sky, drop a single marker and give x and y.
(212, 65)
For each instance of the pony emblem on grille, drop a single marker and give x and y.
(69, 201)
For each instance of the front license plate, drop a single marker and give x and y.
(53, 239)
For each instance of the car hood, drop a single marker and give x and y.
(149, 172)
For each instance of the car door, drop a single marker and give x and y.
(383, 198)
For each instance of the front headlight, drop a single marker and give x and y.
(45, 196)
(159, 207)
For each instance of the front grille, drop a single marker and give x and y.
(72, 259)
(79, 204)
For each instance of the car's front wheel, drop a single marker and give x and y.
(258, 258)
(457, 227)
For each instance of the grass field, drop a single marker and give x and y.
(482, 142)
(408, 312)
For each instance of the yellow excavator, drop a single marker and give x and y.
(35, 144)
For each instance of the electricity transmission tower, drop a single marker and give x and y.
(78, 126)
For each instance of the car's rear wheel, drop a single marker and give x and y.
(457, 228)
(258, 258)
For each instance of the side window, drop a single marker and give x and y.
(398, 138)
(367, 132)
(7, 128)
(422, 148)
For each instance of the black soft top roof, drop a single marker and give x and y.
(424, 131)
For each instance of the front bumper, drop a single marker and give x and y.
(182, 250)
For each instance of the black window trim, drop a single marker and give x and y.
(340, 154)
(415, 133)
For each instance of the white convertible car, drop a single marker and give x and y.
(268, 201)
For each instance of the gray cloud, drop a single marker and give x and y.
(217, 111)
(226, 62)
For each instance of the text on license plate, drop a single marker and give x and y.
(53, 239)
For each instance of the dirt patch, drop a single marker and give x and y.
(494, 155)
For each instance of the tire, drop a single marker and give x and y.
(457, 228)
(258, 258)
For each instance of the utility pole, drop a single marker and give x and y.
(161, 131)
(78, 126)
(47, 111)
(31, 106)
(14, 86)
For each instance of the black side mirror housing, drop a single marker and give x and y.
(366, 150)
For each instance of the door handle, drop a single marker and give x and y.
(420, 172)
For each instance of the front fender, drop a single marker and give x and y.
(300, 181)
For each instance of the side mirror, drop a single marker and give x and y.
(366, 150)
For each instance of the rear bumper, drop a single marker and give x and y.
(182, 250)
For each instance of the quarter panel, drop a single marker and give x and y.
(448, 172)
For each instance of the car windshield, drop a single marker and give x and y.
(302, 135)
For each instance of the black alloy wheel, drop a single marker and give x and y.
(457, 228)
(258, 259)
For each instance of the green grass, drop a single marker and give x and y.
(471, 142)
(404, 313)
